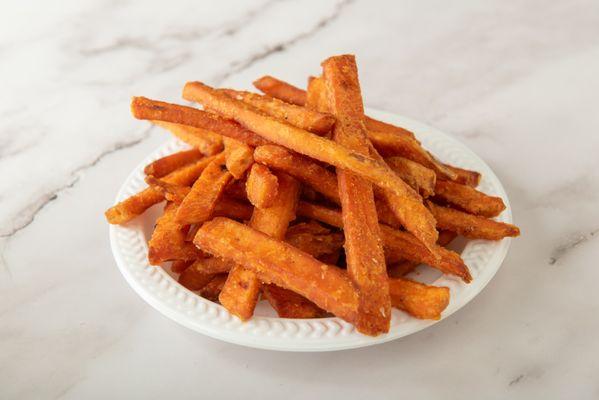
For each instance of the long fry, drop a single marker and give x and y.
(207, 142)
(416, 175)
(262, 186)
(468, 199)
(165, 165)
(417, 299)
(465, 176)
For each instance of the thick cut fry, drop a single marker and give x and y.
(135, 205)
(207, 142)
(212, 289)
(364, 253)
(238, 157)
(212, 265)
(416, 175)
(301, 117)
(471, 226)
(281, 264)
(179, 266)
(468, 199)
(281, 90)
(290, 304)
(314, 239)
(232, 209)
(165, 165)
(398, 245)
(262, 186)
(295, 138)
(199, 204)
(302, 168)
(144, 108)
(316, 95)
(236, 190)
(417, 299)
(171, 192)
(241, 290)
(193, 280)
(465, 177)
(168, 240)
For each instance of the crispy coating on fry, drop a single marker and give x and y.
(165, 165)
(314, 239)
(471, 226)
(465, 176)
(212, 265)
(316, 95)
(238, 157)
(468, 199)
(212, 289)
(179, 266)
(207, 142)
(194, 280)
(232, 209)
(305, 118)
(262, 186)
(420, 178)
(417, 299)
(199, 204)
(144, 108)
(168, 240)
(135, 205)
(364, 252)
(172, 192)
(289, 304)
(281, 264)
(281, 90)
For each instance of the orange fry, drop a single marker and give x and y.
(165, 165)
(471, 226)
(179, 266)
(238, 157)
(289, 304)
(199, 204)
(212, 265)
(281, 264)
(468, 199)
(465, 177)
(305, 118)
(314, 239)
(232, 209)
(281, 90)
(194, 280)
(262, 186)
(417, 299)
(171, 192)
(316, 95)
(207, 142)
(365, 258)
(420, 178)
(212, 289)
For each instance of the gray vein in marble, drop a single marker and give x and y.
(33, 209)
(564, 248)
(246, 63)
(516, 380)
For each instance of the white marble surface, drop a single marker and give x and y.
(516, 81)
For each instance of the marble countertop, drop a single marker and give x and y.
(515, 81)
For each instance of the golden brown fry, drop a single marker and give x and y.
(305, 118)
(294, 138)
(281, 90)
(281, 264)
(144, 108)
(417, 299)
(165, 165)
(179, 266)
(194, 280)
(314, 239)
(239, 157)
(168, 240)
(199, 204)
(207, 142)
(289, 304)
(171, 192)
(232, 209)
(416, 175)
(212, 265)
(212, 289)
(364, 253)
(135, 205)
(316, 95)
(468, 199)
(262, 186)
(471, 226)
(398, 245)
(465, 177)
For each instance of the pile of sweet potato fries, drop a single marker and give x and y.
(299, 198)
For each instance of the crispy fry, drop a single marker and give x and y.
(314, 239)
(316, 95)
(262, 186)
(465, 177)
(193, 280)
(364, 253)
(471, 226)
(212, 289)
(398, 245)
(199, 204)
(207, 142)
(289, 304)
(144, 108)
(468, 199)
(416, 175)
(281, 90)
(294, 138)
(212, 265)
(135, 205)
(305, 118)
(168, 240)
(232, 209)
(281, 264)
(417, 299)
(238, 157)
(179, 266)
(172, 192)
(165, 165)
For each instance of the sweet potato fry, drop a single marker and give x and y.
(236, 190)
(364, 253)
(207, 142)
(212, 289)
(168, 240)
(295, 138)
(305, 118)
(193, 280)
(199, 204)
(281, 264)
(314, 239)
(144, 108)
(135, 205)
(416, 175)
(316, 95)
(238, 157)
(212, 265)
(417, 299)
(465, 177)
(232, 209)
(262, 186)
(281, 90)
(468, 199)
(289, 304)
(471, 226)
(179, 266)
(398, 245)
(172, 192)
(165, 165)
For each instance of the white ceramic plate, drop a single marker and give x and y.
(160, 289)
